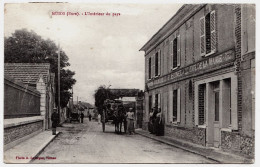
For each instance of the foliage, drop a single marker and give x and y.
(101, 94)
(27, 47)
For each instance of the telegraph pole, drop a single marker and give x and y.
(77, 104)
(59, 81)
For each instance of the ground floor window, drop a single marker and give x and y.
(150, 103)
(174, 106)
(202, 104)
(216, 100)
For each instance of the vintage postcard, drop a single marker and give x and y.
(120, 83)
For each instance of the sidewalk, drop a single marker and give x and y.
(25, 151)
(210, 153)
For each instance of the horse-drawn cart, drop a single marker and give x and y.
(113, 111)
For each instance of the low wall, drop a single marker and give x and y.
(194, 135)
(235, 142)
(20, 129)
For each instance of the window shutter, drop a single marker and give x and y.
(179, 105)
(201, 105)
(147, 68)
(213, 31)
(170, 106)
(178, 50)
(153, 66)
(171, 54)
(202, 37)
(159, 100)
(159, 62)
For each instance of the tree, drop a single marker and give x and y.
(101, 94)
(28, 47)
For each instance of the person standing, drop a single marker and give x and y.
(150, 123)
(55, 120)
(158, 123)
(154, 119)
(99, 118)
(130, 121)
(82, 117)
(89, 117)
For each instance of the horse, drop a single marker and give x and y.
(119, 118)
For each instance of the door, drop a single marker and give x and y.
(216, 119)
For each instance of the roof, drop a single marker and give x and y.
(171, 25)
(8, 79)
(125, 92)
(27, 72)
(84, 104)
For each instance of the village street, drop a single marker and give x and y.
(86, 143)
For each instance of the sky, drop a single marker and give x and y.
(102, 50)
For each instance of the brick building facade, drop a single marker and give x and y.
(199, 69)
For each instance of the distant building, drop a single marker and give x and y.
(200, 70)
(86, 108)
(38, 76)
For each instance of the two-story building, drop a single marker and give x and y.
(199, 69)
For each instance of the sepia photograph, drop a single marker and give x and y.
(128, 83)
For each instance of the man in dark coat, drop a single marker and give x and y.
(55, 120)
(89, 117)
(82, 117)
(155, 112)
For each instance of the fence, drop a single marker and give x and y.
(20, 100)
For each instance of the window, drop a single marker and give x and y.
(202, 104)
(150, 68)
(175, 106)
(174, 57)
(208, 34)
(226, 104)
(217, 106)
(150, 103)
(216, 100)
(174, 114)
(157, 63)
(156, 100)
(190, 90)
(175, 52)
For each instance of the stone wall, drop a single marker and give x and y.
(239, 143)
(145, 126)
(14, 133)
(194, 135)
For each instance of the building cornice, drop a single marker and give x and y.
(181, 16)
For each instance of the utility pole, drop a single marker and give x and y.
(72, 99)
(59, 82)
(77, 104)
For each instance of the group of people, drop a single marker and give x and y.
(55, 120)
(129, 120)
(155, 123)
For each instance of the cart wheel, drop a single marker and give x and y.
(103, 121)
